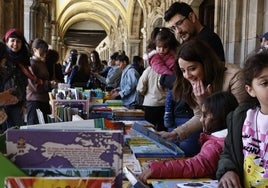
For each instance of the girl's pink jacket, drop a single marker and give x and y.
(202, 165)
(163, 64)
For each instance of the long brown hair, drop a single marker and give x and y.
(198, 51)
(83, 64)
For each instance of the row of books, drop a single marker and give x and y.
(114, 111)
(147, 146)
(63, 110)
(85, 149)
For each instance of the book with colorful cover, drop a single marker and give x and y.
(53, 182)
(69, 172)
(185, 183)
(33, 148)
(151, 150)
(128, 112)
(162, 146)
(130, 161)
(111, 102)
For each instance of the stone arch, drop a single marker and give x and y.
(137, 21)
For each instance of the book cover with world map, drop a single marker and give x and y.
(61, 149)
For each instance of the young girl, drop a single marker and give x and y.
(37, 94)
(161, 49)
(199, 74)
(244, 159)
(203, 165)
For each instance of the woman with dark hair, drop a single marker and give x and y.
(96, 67)
(6, 97)
(138, 64)
(16, 74)
(199, 73)
(54, 68)
(81, 72)
(95, 62)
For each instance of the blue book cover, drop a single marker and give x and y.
(170, 148)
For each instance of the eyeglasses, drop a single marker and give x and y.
(178, 24)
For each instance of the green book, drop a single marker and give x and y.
(10, 169)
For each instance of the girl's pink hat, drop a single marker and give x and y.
(13, 33)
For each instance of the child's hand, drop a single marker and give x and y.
(146, 173)
(229, 179)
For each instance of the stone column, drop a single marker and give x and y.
(33, 15)
(133, 46)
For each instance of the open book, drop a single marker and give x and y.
(171, 147)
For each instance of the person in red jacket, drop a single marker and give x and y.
(203, 165)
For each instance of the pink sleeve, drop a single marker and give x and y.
(159, 65)
(203, 164)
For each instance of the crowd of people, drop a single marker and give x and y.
(187, 91)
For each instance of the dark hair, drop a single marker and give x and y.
(96, 55)
(96, 66)
(73, 52)
(200, 52)
(164, 35)
(253, 66)
(136, 59)
(123, 58)
(177, 8)
(14, 33)
(41, 45)
(83, 64)
(114, 55)
(23, 55)
(220, 104)
(52, 56)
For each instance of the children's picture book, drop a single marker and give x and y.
(130, 161)
(162, 145)
(185, 183)
(151, 150)
(59, 182)
(63, 148)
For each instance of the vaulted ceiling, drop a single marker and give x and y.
(87, 22)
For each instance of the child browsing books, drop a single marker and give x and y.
(214, 111)
(37, 94)
(244, 160)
